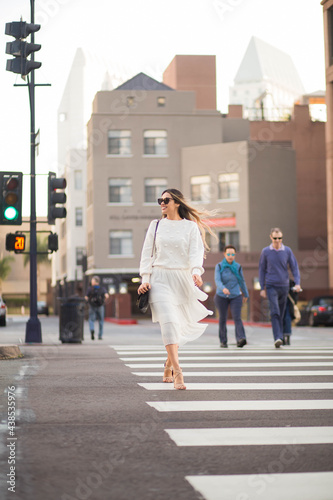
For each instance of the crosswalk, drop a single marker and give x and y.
(246, 382)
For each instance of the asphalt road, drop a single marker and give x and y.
(93, 420)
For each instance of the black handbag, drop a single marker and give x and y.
(143, 299)
(143, 302)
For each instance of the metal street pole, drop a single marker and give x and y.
(33, 332)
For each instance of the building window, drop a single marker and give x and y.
(228, 238)
(79, 216)
(130, 101)
(80, 252)
(200, 188)
(121, 243)
(155, 142)
(154, 188)
(161, 102)
(119, 142)
(228, 187)
(78, 180)
(120, 190)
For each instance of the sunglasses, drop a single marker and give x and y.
(164, 200)
(277, 237)
(230, 254)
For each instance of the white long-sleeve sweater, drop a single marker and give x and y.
(178, 245)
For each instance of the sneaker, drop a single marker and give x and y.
(241, 343)
(92, 335)
(223, 344)
(278, 342)
(286, 340)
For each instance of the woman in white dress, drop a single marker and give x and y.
(173, 276)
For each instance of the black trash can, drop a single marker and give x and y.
(71, 319)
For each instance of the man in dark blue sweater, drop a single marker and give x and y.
(274, 279)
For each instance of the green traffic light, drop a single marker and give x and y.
(10, 213)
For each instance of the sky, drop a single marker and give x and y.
(137, 36)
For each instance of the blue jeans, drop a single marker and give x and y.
(277, 297)
(96, 314)
(235, 304)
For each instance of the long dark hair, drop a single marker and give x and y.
(186, 211)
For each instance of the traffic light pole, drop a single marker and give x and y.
(33, 332)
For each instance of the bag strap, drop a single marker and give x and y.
(157, 223)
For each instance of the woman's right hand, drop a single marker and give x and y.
(144, 287)
(226, 291)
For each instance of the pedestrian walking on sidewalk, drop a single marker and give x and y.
(96, 296)
(276, 261)
(231, 291)
(173, 276)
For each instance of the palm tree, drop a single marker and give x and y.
(5, 268)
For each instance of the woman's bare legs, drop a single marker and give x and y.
(172, 350)
(167, 375)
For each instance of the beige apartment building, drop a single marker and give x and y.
(135, 137)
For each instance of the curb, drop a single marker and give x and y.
(121, 321)
(10, 352)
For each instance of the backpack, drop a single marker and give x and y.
(96, 298)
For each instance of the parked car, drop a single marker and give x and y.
(318, 311)
(42, 307)
(3, 312)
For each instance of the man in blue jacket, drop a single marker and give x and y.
(231, 291)
(274, 279)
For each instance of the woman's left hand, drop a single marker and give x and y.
(197, 279)
(244, 299)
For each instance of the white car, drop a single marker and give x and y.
(3, 312)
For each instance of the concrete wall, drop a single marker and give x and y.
(308, 140)
(272, 194)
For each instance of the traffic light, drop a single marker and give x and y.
(11, 198)
(53, 242)
(21, 49)
(56, 198)
(15, 242)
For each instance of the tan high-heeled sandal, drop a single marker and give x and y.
(179, 385)
(167, 375)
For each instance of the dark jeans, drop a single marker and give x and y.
(235, 304)
(277, 297)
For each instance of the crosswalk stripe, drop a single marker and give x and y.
(241, 387)
(251, 436)
(307, 486)
(200, 348)
(229, 352)
(235, 365)
(273, 373)
(207, 358)
(258, 405)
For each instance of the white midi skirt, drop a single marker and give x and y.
(174, 303)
